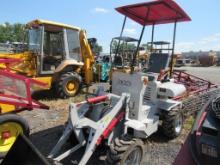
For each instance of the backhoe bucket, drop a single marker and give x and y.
(23, 152)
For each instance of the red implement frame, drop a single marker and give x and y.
(193, 84)
(8, 61)
(13, 98)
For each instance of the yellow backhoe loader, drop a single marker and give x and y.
(58, 54)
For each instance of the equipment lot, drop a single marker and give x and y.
(47, 125)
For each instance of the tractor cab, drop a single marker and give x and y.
(122, 50)
(58, 54)
(54, 44)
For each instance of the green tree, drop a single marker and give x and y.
(12, 32)
(97, 49)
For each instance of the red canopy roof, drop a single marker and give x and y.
(155, 12)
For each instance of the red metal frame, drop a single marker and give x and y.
(110, 127)
(193, 84)
(21, 103)
(8, 61)
(22, 78)
(97, 99)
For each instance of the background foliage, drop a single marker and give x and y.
(12, 32)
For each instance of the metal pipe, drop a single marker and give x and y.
(111, 52)
(152, 38)
(172, 56)
(139, 42)
(40, 70)
(136, 52)
(122, 30)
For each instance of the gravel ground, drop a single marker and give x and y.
(47, 125)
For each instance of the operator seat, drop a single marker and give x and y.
(158, 62)
(118, 61)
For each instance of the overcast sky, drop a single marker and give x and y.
(101, 20)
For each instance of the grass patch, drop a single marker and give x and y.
(188, 123)
(62, 103)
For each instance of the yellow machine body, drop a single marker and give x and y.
(31, 63)
(5, 108)
(26, 65)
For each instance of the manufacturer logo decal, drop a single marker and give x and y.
(124, 82)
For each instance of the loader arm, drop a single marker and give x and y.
(87, 56)
(100, 125)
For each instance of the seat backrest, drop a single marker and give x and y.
(158, 61)
(118, 61)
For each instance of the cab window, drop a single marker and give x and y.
(73, 44)
(54, 51)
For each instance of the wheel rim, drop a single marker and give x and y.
(14, 129)
(178, 124)
(134, 158)
(71, 87)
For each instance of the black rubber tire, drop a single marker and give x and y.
(64, 79)
(169, 123)
(17, 119)
(121, 148)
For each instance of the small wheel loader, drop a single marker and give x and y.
(58, 54)
(139, 104)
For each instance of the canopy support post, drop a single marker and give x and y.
(139, 42)
(122, 30)
(136, 52)
(152, 38)
(172, 56)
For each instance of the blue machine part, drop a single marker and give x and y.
(105, 67)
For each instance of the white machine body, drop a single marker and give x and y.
(171, 89)
(145, 101)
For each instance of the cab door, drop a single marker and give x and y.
(73, 45)
(53, 51)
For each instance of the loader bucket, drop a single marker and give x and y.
(23, 152)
